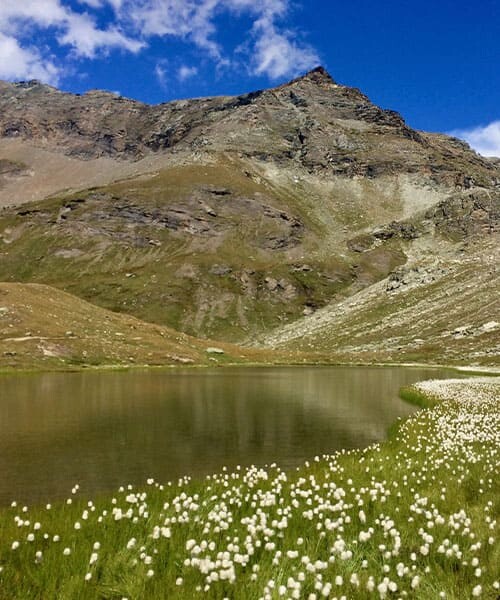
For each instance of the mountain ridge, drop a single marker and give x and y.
(316, 75)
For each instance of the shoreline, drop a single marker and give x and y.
(480, 370)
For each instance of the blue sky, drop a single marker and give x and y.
(436, 62)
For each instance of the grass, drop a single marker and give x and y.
(82, 243)
(412, 517)
(413, 395)
(44, 328)
(11, 166)
(414, 325)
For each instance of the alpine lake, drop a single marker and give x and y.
(104, 429)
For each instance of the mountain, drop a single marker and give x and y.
(311, 123)
(300, 217)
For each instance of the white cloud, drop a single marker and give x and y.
(485, 140)
(77, 30)
(270, 49)
(115, 4)
(277, 55)
(186, 72)
(161, 75)
(86, 39)
(188, 19)
(92, 3)
(273, 51)
(16, 16)
(24, 63)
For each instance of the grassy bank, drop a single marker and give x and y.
(413, 517)
(413, 395)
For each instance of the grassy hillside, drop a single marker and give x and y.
(42, 327)
(441, 309)
(214, 250)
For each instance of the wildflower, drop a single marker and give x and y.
(382, 589)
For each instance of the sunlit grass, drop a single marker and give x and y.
(413, 517)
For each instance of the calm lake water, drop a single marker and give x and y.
(102, 430)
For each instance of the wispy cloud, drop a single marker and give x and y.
(484, 139)
(186, 72)
(276, 52)
(277, 55)
(161, 74)
(271, 49)
(87, 40)
(191, 20)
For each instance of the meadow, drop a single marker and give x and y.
(412, 517)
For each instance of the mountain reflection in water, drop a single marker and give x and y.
(105, 429)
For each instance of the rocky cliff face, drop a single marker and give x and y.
(312, 122)
(228, 216)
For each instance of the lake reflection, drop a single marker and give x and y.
(102, 430)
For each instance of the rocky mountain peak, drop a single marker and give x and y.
(33, 85)
(318, 76)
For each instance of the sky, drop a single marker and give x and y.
(437, 62)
